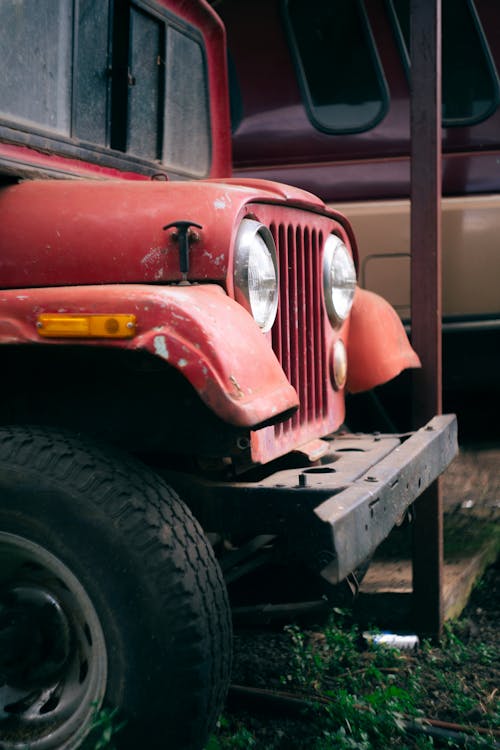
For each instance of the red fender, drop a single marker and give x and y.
(198, 330)
(378, 347)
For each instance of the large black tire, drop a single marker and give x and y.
(110, 598)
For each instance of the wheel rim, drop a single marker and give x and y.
(53, 661)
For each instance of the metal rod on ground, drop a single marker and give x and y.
(291, 704)
(425, 35)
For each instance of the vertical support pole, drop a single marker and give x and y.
(425, 35)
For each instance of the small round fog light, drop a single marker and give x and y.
(339, 365)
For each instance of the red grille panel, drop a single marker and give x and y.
(298, 335)
(302, 337)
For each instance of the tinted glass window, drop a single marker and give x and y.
(147, 63)
(92, 79)
(186, 138)
(470, 90)
(36, 40)
(338, 65)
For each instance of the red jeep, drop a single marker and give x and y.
(175, 348)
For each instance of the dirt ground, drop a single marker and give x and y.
(461, 678)
(469, 656)
(472, 482)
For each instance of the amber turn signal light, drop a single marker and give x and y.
(86, 326)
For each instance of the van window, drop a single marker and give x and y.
(337, 63)
(106, 81)
(470, 86)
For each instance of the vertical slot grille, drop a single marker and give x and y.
(298, 333)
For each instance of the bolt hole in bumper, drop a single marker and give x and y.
(333, 514)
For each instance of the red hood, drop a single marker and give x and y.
(75, 232)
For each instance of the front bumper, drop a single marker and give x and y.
(335, 513)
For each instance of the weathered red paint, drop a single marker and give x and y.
(297, 197)
(84, 232)
(99, 247)
(378, 347)
(16, 158)
(288, 193)
(198, 330)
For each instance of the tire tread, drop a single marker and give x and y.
(161, 533)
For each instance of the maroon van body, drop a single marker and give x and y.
(293, 121)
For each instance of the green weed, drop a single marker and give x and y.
(363, 697)
(104, 728)
(231, 735)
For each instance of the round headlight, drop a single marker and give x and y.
(339, 280)
(256, 272)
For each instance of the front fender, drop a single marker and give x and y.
(198, 330)
(217, 345)
(378, 347)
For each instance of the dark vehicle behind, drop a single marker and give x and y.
(324, 105)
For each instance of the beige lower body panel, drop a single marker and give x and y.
(471, 252)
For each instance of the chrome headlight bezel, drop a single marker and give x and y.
(253, 239)
(339, 280)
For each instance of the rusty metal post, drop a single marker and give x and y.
(425, 35)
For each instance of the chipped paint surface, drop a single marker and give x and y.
(223, 202)
(236, 385)
(153, 256)
(208, 337)
(177, 316)
(217, 259)
(160, 346)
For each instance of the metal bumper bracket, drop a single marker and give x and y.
(363, 514)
